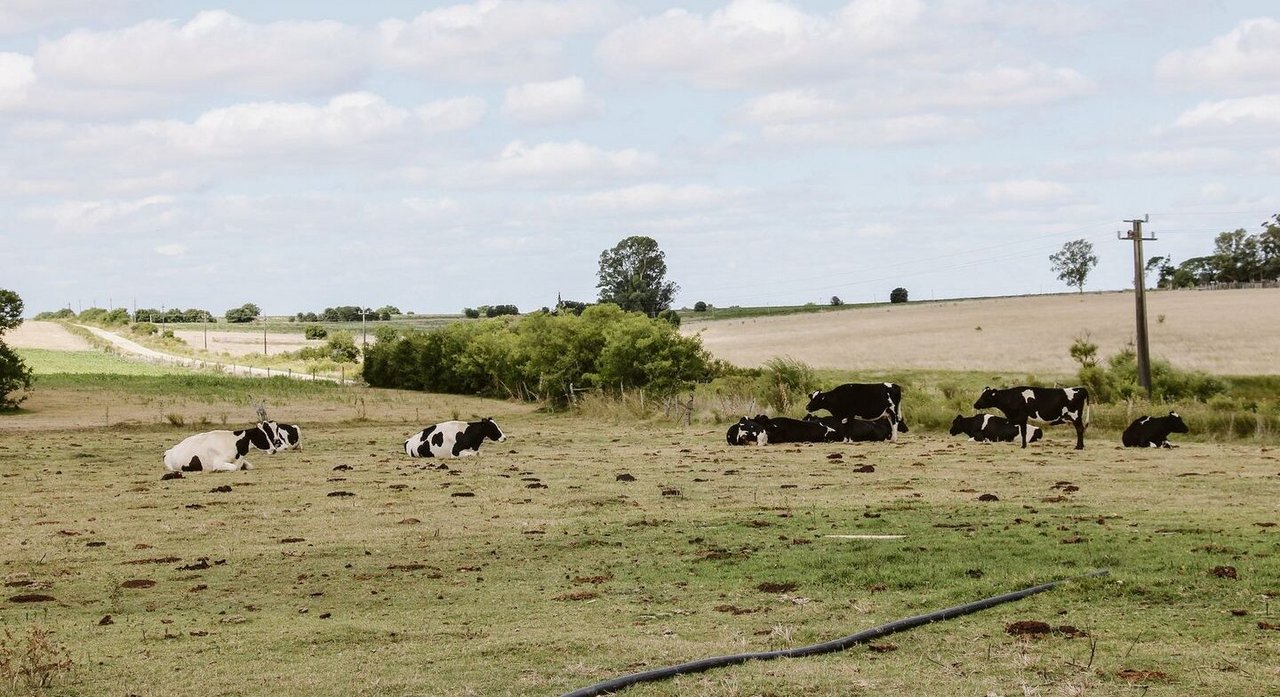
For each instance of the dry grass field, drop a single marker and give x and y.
(1233, 332)
(538, 567)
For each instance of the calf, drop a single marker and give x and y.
(1052, 405)
(289, 434)
(1153, 431)
(853, 430)
(746, 431)
(989, 427)
(782, 429)
(861, 402)
(220, 451)
(453, 438)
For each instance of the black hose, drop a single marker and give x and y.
(615, 684)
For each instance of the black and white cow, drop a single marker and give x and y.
(453, 438)
(746, 432)
(855, 431)
(782, 429)
(862, 402)
(991, 428)
(1051, 405)
(220, 451)
(1153, 431)
(289, 434)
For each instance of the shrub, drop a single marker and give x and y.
(836, 301)
(670, 316)
(315, 331)
(471, 313)
(28, 666)
(898, 295)
(783, 381)
(699, 306)
(1119, 379)
(144, 328)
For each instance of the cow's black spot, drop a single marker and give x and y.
(436, 439)
(194, 465)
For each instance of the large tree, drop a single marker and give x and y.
(1237, 256)
(15, 376)
(1074, 262)
(633, 276)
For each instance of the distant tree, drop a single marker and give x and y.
(898, 295)
(836, 301)
(60, 313)
(315, 331)
(15, 375)
(699, 306)
(247, 312)
(1074, 262)
(1162, 269)
(1269, 246)
(499, 310)
(633, 276)
(470, 313)
(386, 312)
(570, 307)
(1237, 256)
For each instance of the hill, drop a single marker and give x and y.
(1228, 332)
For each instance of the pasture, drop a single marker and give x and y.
(585, 548)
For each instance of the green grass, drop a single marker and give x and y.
(554, 573)
(45, 362)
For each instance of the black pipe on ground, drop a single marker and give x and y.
(615, 684)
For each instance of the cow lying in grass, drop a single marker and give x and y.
(220, 451)
(1153, 431)
(991, 428)
(453, 438)
(782, 429)
(746, 432)
(851, 430)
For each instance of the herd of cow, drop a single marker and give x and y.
(873, 412)
(858, 412)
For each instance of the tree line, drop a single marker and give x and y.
(1237, 257)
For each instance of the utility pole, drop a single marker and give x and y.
(1140, 299)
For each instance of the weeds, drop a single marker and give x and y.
(32, 664)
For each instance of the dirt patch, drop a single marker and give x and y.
(768, 587)
(1131, 675)
(32, 598)
(138, 583)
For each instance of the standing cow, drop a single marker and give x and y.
(989, 427)
(220, 451)
(862, 402)
(1153, 431)
(453, 438)
(1051, 405)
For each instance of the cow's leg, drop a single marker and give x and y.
(224, 467)
(1022, 429)
(1078, 422)
(893, 427)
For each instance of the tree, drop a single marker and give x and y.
(898, 295)
(1269, 246)
(633, 276)
(1074, 262)
(1236, 256)
(247, 312)
(700, 306)
(15, 375)
(836, 301)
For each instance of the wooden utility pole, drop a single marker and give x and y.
(1140, 300)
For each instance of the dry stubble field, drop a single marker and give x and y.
(1234, 332)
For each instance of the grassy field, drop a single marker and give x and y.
(538, 568)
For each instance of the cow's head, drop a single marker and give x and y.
(1176, 424)
(817, 400)
(902, 426)
(272, 433)
(490, 430)
(957, 425)
(743, 432)
(987, 400)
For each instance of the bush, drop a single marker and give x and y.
(699, 306)
(898, 295)
(471, 313)
(144, 328)
(1118, 380)
(541, 356)
(315, 331)
(15, 377)
(836, 301)
(784, 382)
(670, 316)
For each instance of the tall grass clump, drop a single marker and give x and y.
(1117, 379)
(784, 382)
(32, 663)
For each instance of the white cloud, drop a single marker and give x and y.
(650, 197)
(259, 129)
(550, 102)
(1022, 192)
(1248, 57)
(570, 160)
(911, 129)
(749, 42)
(16, 78)
(214, 50)
(449, 115)
(1244, 112)
(91, 216)
(171, 250)
(490, 39)
(22, 15)
(1046, 17)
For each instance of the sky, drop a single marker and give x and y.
(441, 155)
